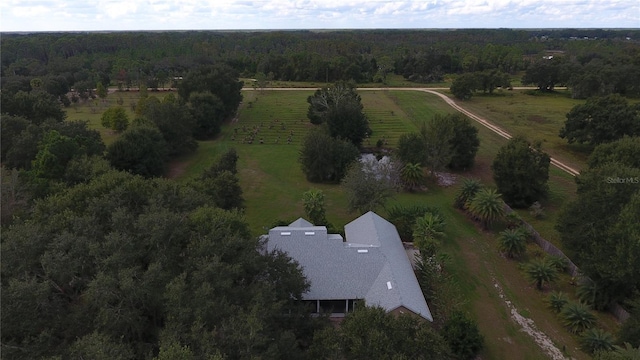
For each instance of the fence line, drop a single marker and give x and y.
(618, 311)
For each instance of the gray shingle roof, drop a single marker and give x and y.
(371, 265)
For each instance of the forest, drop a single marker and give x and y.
(105, 257)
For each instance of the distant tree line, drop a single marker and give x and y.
(64, 61)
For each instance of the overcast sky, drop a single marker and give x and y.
(73, 15)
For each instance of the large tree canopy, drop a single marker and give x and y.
(372, 333)
(122, 266)
(600, 230)
(140, 150)
(545, 74)
(219, 80)
(521, 172)
(326, 159)
(625, 151)
(445, 140)
(174, 122)
(601, 120)
(370, 183)
(339, 107)
(35, 106)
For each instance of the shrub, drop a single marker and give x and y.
(463, 336)
(467, 191)
(513, 220)
(559, 262)
(577, 317)
(557, 300)
(404, 217)
(595, 339)
(487, 206)
(593, 295)
(540, 271)
(512, 243)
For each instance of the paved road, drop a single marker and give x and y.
(482, 121)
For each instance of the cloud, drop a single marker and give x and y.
(51, 15)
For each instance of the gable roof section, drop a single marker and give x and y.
(371, 228)
(372, 264)
(300, 223)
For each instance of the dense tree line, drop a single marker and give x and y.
(125, 268)
(62, 61)
(600, 228)
(588, 74)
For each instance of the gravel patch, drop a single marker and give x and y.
(529, 327)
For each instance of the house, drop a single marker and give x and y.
(371, 266)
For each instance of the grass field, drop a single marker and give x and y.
(273, 184)
(91, 111)
(536, 117)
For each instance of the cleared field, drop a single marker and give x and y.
(91, 111)
(536, 117)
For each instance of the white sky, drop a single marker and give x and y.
(74, 15)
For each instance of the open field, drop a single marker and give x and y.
(92, 110)
(273, 184)
(536, 117)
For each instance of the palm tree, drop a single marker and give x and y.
(559, 262)
(512, 242)
(577, 317)
(558, 300)
(467, 191)
(427, 230)
(487, 206)
(595, 339)
(541, 271)
(626, 352)
(587, 291)
(314, 206)
(412, 176)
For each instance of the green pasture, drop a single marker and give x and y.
(537, 117)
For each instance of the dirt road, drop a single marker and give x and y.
(482, 121)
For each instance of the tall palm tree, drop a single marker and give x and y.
(541, 271)
(412, 176)
(427, 230)
(467, 191)
(487, 206)
(512, 243)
